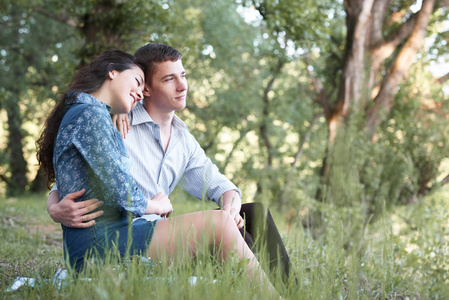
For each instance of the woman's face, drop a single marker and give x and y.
(126, 89)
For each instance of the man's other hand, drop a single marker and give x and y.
(75, 214)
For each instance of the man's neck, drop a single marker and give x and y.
(163, 119)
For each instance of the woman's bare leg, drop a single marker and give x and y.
(213, 227)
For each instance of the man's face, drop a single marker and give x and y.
(168, 88)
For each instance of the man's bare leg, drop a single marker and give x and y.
(214, 227)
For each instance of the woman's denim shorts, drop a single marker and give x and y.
(114, 232)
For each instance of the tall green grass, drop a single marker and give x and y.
(402, 253)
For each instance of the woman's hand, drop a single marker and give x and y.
(159, 204)
(121, 123)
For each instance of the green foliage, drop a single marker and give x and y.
(30, 49)
(399, 164)
(403, 162)
(304, 22)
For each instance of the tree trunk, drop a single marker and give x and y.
(401, 65)
(101, 29)
(39, 183)
(350, 93)
(266, 111)
(17, 163)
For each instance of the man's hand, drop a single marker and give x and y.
(121, 122)
(159, 204)
(232, 203)
(74, 214)
(234, 212)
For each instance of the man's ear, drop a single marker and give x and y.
(146, 91)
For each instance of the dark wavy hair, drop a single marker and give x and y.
(153, 53)
(88, 80)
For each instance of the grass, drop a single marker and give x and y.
(402, 254)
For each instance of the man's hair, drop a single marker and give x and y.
(153, 53)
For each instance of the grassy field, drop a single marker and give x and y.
(403, 254)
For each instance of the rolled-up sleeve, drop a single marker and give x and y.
(202, 178)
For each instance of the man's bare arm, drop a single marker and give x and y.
(71, 213)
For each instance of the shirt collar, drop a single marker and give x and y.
(84, 98)
(139, 115)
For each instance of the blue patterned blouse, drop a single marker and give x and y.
(89, 153)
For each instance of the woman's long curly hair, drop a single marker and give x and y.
(88, 79)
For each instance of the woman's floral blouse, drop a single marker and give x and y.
(89, 153)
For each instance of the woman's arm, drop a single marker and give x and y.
(121, 123)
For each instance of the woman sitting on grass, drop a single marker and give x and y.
(79, 147)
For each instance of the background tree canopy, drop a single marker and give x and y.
(299, 103)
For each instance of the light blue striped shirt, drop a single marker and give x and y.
(183, 163)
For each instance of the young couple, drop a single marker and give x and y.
(82, 151)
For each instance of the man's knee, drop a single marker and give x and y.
(219, 219)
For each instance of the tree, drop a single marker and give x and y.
(381, 42)
(106, 24)
(28, 45)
